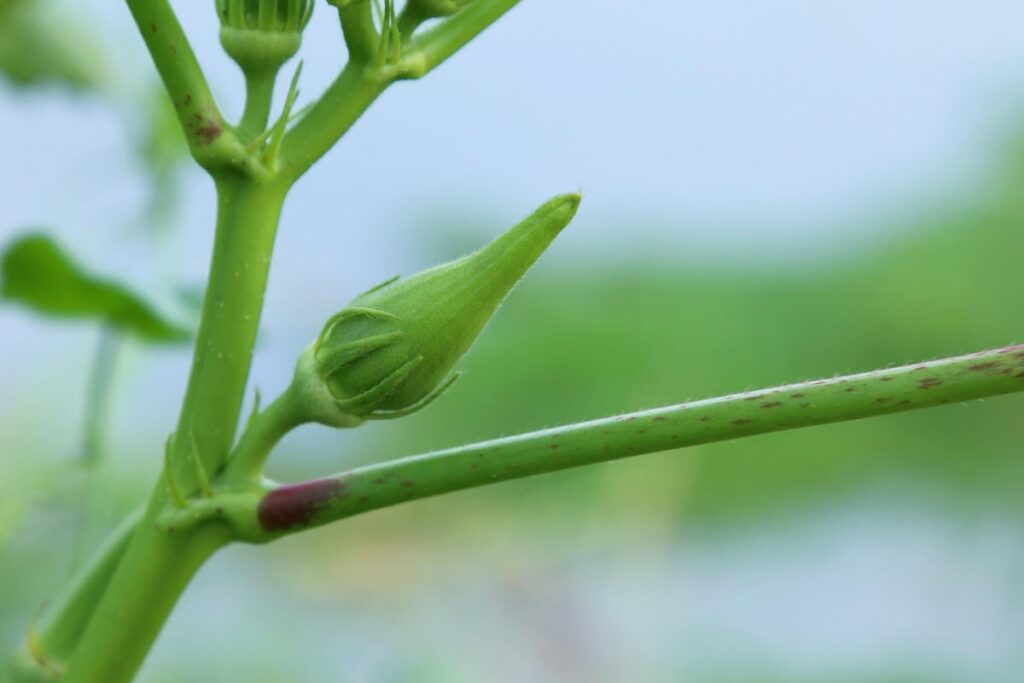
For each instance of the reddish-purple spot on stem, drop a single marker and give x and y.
(930, 382)
(771, 404)
(742, 421)
(295, 506)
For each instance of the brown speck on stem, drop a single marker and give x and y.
(208, 131)
(981, 367)
(771, 404)
(741, 421)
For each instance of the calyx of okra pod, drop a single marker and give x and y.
(393, 348)
(261, 35)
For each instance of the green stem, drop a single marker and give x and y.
(438, 44)
(94, 439)
(348, 97)
(357, 26)
(159, 562)
(98, 398)
(990, 373)
(259, 96)
(148, 582)
(61, 625)
(264, 431)
(247, 216)
(180, 72)
(360, 83)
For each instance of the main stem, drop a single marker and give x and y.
(158, 563)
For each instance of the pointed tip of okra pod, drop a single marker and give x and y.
(387, 353)
(559, 211)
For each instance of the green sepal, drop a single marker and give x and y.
(389, 352)
(261, 35)
(40, 275)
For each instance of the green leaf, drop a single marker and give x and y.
(43, 43)
(40, 275)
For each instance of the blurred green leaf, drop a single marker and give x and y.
(161, 148)
(44, 44)
(40, 275)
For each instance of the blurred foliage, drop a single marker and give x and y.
(38, 274)
(161, 148)
(43, 43)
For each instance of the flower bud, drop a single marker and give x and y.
(392, 350)
(261, 35)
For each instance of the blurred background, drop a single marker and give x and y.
(773, 193)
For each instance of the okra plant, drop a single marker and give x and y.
(389, 352)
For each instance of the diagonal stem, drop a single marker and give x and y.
(288, 509)
(179, 70)
(360, 82)
(438, 44)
